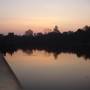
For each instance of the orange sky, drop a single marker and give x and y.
(19, 15)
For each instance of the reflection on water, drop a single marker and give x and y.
(39, 70)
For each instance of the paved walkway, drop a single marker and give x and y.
(8, 80)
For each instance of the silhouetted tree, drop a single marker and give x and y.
(11, 34)
(75, 42)
(86, 28)
(56, 30)
(1, 35)
(28, 32)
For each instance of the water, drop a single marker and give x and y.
(40, 70)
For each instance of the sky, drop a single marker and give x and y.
(39, 15)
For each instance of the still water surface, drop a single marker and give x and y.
(40, 70)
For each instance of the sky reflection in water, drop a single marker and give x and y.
(40, 70)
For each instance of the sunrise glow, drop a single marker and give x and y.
(19, 15)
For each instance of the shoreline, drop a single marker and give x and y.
(8, 80)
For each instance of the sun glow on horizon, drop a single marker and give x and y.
(19, 15)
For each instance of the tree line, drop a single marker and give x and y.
(52, 41)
